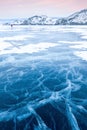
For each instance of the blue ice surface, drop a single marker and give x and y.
(44, 90)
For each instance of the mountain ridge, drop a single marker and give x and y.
(77, 18)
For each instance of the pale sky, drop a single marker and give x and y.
(27, 8)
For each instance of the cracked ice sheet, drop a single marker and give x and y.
(46, 83)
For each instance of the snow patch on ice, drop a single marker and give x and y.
(81, 54)
(30, 48)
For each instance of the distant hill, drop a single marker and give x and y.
(40, 20)
(78, 18)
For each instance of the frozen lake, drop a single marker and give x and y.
(43, 78)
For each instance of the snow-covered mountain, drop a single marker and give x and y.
(40, 20)
(74, 19)
(78, 18)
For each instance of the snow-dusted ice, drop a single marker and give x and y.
(43, 78)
